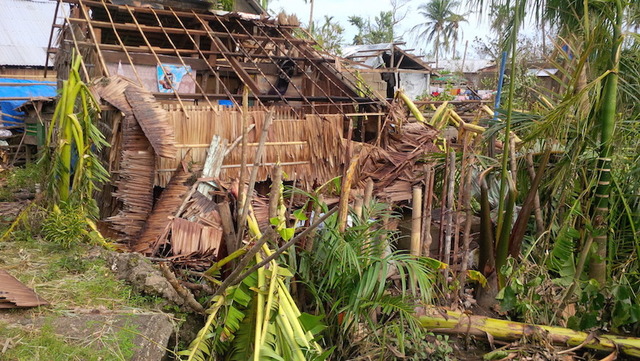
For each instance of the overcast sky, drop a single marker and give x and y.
(342, 9)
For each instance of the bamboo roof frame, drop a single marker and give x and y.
(259, 40)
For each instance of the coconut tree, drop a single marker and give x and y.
(436, 28)
(453, 29)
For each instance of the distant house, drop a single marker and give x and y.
(25, 30)
(471, 70)
(394, 66)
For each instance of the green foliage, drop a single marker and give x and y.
(45, 344)
(328, 35)
(376, 32)
(440, 26)
(347, 276)
(422, 346)
(73, 123)
(20, 179)
(65, 225)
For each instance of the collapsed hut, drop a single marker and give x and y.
(172, 78)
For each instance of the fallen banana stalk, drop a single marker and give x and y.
(411, 105)
(441, 320)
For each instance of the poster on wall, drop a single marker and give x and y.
(174, 77)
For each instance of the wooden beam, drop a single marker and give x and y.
(266, 97)
(235, 64)
(171, 30)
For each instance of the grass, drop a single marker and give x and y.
(71, 279)
(45, 345)
(19, 179)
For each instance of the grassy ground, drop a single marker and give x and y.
(75, 280)
(72, 280)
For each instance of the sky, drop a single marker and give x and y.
(342, 9)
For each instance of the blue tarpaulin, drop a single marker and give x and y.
(22, 90)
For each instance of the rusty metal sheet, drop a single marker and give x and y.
(14, 294)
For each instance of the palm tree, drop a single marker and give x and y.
(438, 15)
(452, 29)
(595, 27)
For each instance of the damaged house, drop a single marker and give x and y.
(391, 65)
(178, 82)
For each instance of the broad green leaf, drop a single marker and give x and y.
(300, 215)
(477, 276)
(312, 323)
(287, 233)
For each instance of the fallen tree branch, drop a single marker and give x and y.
(183, 292)
(441, 320)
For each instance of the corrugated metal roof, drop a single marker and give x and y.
(542, 72)
(24, 31)
(470, 65)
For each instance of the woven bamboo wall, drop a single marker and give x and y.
(309, 149)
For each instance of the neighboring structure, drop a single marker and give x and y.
(473, 70)
(388, 62)
(25, 30)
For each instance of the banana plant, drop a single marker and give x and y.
(73, 131)
(258, 319)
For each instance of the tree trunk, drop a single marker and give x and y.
(311, 16)
(444, 321)
(607, 118)
(437, 47)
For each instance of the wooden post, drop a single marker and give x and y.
(276, 191)
(428, 206)
(416, 220)
(448, 211)
(343, 209)
(537, 211)
(357, 209)
(368, 193)
(227, 226)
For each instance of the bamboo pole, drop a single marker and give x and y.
(416, 220)
(368, 193)
(276, 191)
(343, 209)
(448, 224)
(441, 320)
(252, 178)
(243, 149)
(466, 205)
(428, 206)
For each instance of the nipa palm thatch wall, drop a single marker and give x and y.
(308, 149)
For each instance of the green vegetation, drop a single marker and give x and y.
(18, 180)
(43, 344)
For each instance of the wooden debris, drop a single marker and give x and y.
(170, 201)
(135, 182)
(213, 163)
(14, 294)
(153, 121)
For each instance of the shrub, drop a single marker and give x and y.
(65, 225)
